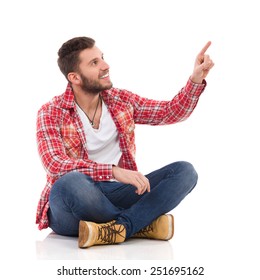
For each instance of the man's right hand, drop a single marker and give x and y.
(134, 178)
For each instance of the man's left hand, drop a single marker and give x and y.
(203, 64)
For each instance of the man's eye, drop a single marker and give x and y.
(95, 62)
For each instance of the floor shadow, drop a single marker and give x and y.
(56, 247)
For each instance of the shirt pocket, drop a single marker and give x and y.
(127, 130)
(126, 120)
(71, 141)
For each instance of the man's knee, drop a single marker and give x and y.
(187, 172)
(73, 178)
(189, 169)
(71, 184)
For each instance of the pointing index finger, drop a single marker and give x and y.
(202, 52)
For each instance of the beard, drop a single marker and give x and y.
(93, 86)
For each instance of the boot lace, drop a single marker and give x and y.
(145, 231)
(109, 233)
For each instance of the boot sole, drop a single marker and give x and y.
(171, 226)
(84, 235)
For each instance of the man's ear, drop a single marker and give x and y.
(74, 78)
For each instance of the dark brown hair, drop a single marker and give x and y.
(68, 60)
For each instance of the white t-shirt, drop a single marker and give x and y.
(102, 143)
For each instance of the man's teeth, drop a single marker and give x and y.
(102, 77)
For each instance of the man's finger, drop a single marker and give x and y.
(148, 185)
(142, 184)
(202, 52)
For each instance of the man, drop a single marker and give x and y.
(86, 143)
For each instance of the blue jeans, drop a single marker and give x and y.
(75, 196)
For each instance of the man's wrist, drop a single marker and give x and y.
(113, 170)
(196, 80)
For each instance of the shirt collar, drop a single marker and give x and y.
(67, 101)
(68, 98)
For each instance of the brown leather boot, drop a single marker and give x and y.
(97, 234)
(162, 228)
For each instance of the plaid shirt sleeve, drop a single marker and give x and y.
(168, 112)
(58, 161)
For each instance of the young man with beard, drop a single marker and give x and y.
(86, 143)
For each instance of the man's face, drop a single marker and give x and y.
(94, 71)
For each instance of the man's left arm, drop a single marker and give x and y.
(182, 105)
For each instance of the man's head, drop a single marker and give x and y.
(82, 63)
(68, 60)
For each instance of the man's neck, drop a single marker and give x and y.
(86, 101)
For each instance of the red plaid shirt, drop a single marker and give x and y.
(62, 142)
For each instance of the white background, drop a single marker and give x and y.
(151, 47)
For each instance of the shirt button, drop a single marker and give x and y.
(107, 177)
(100, 177)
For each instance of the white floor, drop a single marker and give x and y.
(56, 247)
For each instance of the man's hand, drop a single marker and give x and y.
(134, 178)
(202, 66)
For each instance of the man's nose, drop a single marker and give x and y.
(104, 66)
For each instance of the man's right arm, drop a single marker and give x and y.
(131, 177)
(56, 160)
